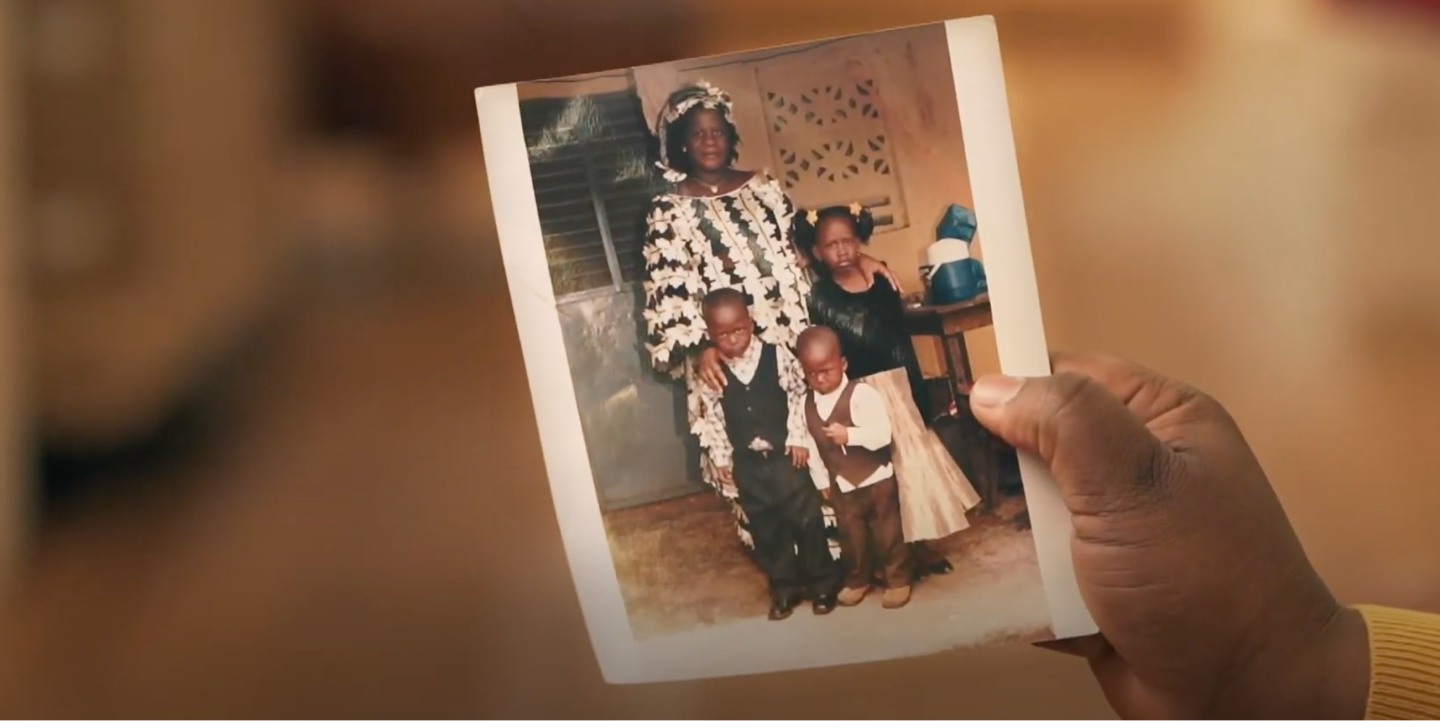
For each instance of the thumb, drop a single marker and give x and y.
(1101, 454)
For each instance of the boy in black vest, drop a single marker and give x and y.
(851, 427)
(754, 431)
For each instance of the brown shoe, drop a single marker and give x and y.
(895, 597)
(852, 596)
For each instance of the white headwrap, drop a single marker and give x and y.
(700, 94)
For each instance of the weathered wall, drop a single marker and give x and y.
(634, 419)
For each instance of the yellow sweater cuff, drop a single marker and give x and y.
(1404, 663)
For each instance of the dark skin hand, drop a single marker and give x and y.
(710, 370)
(799, 456)
(711, 373)
(1206, 603)
(873, 267)
(727, 478)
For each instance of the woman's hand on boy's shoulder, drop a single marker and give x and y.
(880, 269)
(711, 374)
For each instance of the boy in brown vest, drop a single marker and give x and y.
(851, 430)
(754, 431)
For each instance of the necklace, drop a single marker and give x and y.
(714, 189)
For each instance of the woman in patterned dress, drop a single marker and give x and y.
(717, 227)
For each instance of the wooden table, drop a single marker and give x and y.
(949, 323)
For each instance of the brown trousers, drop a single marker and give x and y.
(872, 539)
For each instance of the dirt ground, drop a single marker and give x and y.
(681, 567)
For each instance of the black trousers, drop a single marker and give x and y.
(786, 523)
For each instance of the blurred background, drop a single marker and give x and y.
(266, 436)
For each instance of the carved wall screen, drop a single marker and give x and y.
(828, 136)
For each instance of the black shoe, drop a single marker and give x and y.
(824, 603)
(781, 608)
(939, 568)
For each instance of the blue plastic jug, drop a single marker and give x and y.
(957, 281)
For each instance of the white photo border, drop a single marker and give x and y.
(1019, 333)
(991, 159)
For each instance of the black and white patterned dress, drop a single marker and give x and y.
(694, 245)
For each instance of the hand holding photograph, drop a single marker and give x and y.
(752, 294)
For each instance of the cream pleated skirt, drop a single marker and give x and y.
(934, 492)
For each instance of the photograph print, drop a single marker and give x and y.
(753, 293)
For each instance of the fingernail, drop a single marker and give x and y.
(994, 391)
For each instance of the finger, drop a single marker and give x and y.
(1101, 454)
(1145, 392)
(1180, 415)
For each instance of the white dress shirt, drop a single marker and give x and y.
(871, 430)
